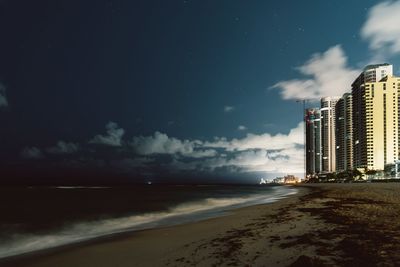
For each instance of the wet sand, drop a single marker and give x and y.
(323, 225)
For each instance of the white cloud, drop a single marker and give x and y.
(249, 158)
(160, 143)
(328, 74)
(202, 153)
(113, 137)
(254, 153)
(253, 160)
(32, 153)
(3, 98)
(262, 141)
(382, 29)
(259, 160)
(63, 148)
(281, 153)
(229, 109)
(242, 128)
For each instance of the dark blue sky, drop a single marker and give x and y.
(192, 70)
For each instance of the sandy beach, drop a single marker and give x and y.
(323, 225)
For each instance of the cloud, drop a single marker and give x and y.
(63, 148)
(262, 141)
(263, 160)
(202, 153)
(113, 137)
(160, 143)
(160, 153)
(381, 28)
(32, 153)
(328, 74)
(266, 153)
(3, 98)
(250, 161)
(228, 109)
(242, 128)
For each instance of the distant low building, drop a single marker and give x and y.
(393, 170)
(288, 179)
(291, 179)
(266, 180)
(279, 180)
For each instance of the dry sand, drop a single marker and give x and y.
(323, 225)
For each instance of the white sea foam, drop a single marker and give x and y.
(207, 208)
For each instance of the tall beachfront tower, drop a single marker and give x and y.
(328, 139)
(313, 141)
(370, 99)
(382, 122)
(344, 133)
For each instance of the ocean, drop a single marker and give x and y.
(38, 218)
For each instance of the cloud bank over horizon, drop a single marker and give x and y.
(255, 153)
(264, 153)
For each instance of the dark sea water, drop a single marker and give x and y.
(36, 218)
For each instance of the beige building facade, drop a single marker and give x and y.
(382, 122)
(365, 105)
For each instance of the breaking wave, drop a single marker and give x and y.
(183, 213)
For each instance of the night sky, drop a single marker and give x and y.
(174, 91)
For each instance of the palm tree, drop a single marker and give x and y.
(356, 174)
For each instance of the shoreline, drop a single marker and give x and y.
(322, 225)
(207, 210)
(25, 258)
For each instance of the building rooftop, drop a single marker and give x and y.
(373, 66)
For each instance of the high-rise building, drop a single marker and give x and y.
(370, 99)
(344, 132)
(313, 141)
(328, 143)
(382, 122)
